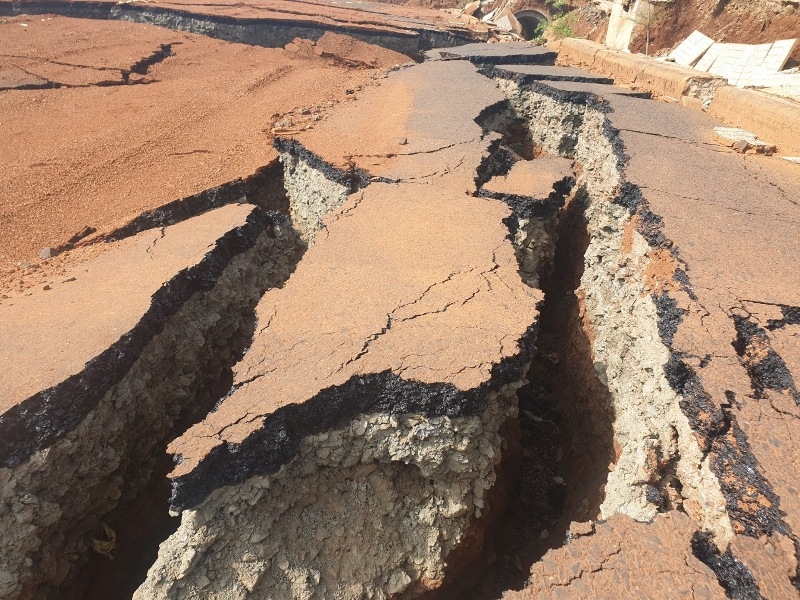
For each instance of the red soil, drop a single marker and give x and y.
(97, 156)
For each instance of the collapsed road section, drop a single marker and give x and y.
(664, 300)
(251, 475)
(361, 442)
(366, 442)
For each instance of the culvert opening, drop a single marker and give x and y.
(533, 23)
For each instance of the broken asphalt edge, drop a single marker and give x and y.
(277, 441)
(258, 188)
(722, 438)
(47, 416)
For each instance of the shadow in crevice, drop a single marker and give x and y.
(515, 143)
(565, 422)
(131, 533)
(584, 402)
(263, 188)
(142, 523)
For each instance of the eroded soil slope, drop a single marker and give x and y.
(734, 21)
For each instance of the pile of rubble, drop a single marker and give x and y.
(496, 16)
(743, 65)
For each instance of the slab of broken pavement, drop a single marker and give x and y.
(378, 335)
(276, 23)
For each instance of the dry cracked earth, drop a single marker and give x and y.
(326, 310)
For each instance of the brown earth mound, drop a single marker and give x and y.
(352, 52)
(345, 51)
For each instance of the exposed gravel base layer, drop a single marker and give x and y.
(362, 511)
(314, 188)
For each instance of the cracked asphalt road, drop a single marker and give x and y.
(415, 276)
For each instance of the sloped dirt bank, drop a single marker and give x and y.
(731, 21)
(265, 32)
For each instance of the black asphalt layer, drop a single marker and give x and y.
(517, 53)
(550, 73)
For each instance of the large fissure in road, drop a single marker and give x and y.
(132, 400)
(384, 485)
(125, 405)
(619, 311)
(671, 448)
(565, 420)
(128, 403)
(366, 488)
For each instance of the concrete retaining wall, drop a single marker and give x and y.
(662, 79)
(773, 119)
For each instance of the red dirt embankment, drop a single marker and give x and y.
(735, 21)
(96, 151)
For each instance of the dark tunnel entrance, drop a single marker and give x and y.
(530, 21)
